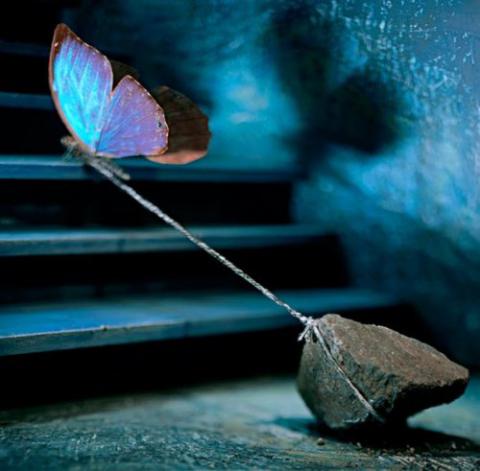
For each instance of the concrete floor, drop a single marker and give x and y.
(254, 424)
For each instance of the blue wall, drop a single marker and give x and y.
(379, 98)
(409, 210)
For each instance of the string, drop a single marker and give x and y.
(308, 322)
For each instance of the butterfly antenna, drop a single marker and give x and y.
(310, 328)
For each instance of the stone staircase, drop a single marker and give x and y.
(83, 266)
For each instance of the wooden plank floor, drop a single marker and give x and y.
(247, 424)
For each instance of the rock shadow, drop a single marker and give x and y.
(398, 438)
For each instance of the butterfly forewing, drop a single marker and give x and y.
(81, 83)
(134, 123)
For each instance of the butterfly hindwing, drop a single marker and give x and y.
(188, 132)
(81, 83)
(134, 124)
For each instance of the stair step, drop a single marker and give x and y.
(57, 326)
(49, 167)
(31, 49)
(301, 260)
(24, 49)
(26, 100)
(94, 241)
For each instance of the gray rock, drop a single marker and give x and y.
(394, 376)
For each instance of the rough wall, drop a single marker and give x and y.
(408, 209)
(379, 98)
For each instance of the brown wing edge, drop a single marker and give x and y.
(189, 133)
(120, 70)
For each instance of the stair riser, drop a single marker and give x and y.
(96, 203)
(314, 264)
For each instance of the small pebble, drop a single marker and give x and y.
(320, 441)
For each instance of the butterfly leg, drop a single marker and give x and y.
(71, 150)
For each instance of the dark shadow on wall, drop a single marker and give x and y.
(360, 111)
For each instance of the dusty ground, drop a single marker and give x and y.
(260, 424)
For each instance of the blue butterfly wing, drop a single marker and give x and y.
(134, 124)
(81, 81)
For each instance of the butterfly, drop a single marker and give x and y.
(109, 114)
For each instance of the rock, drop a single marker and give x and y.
(394, 375)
